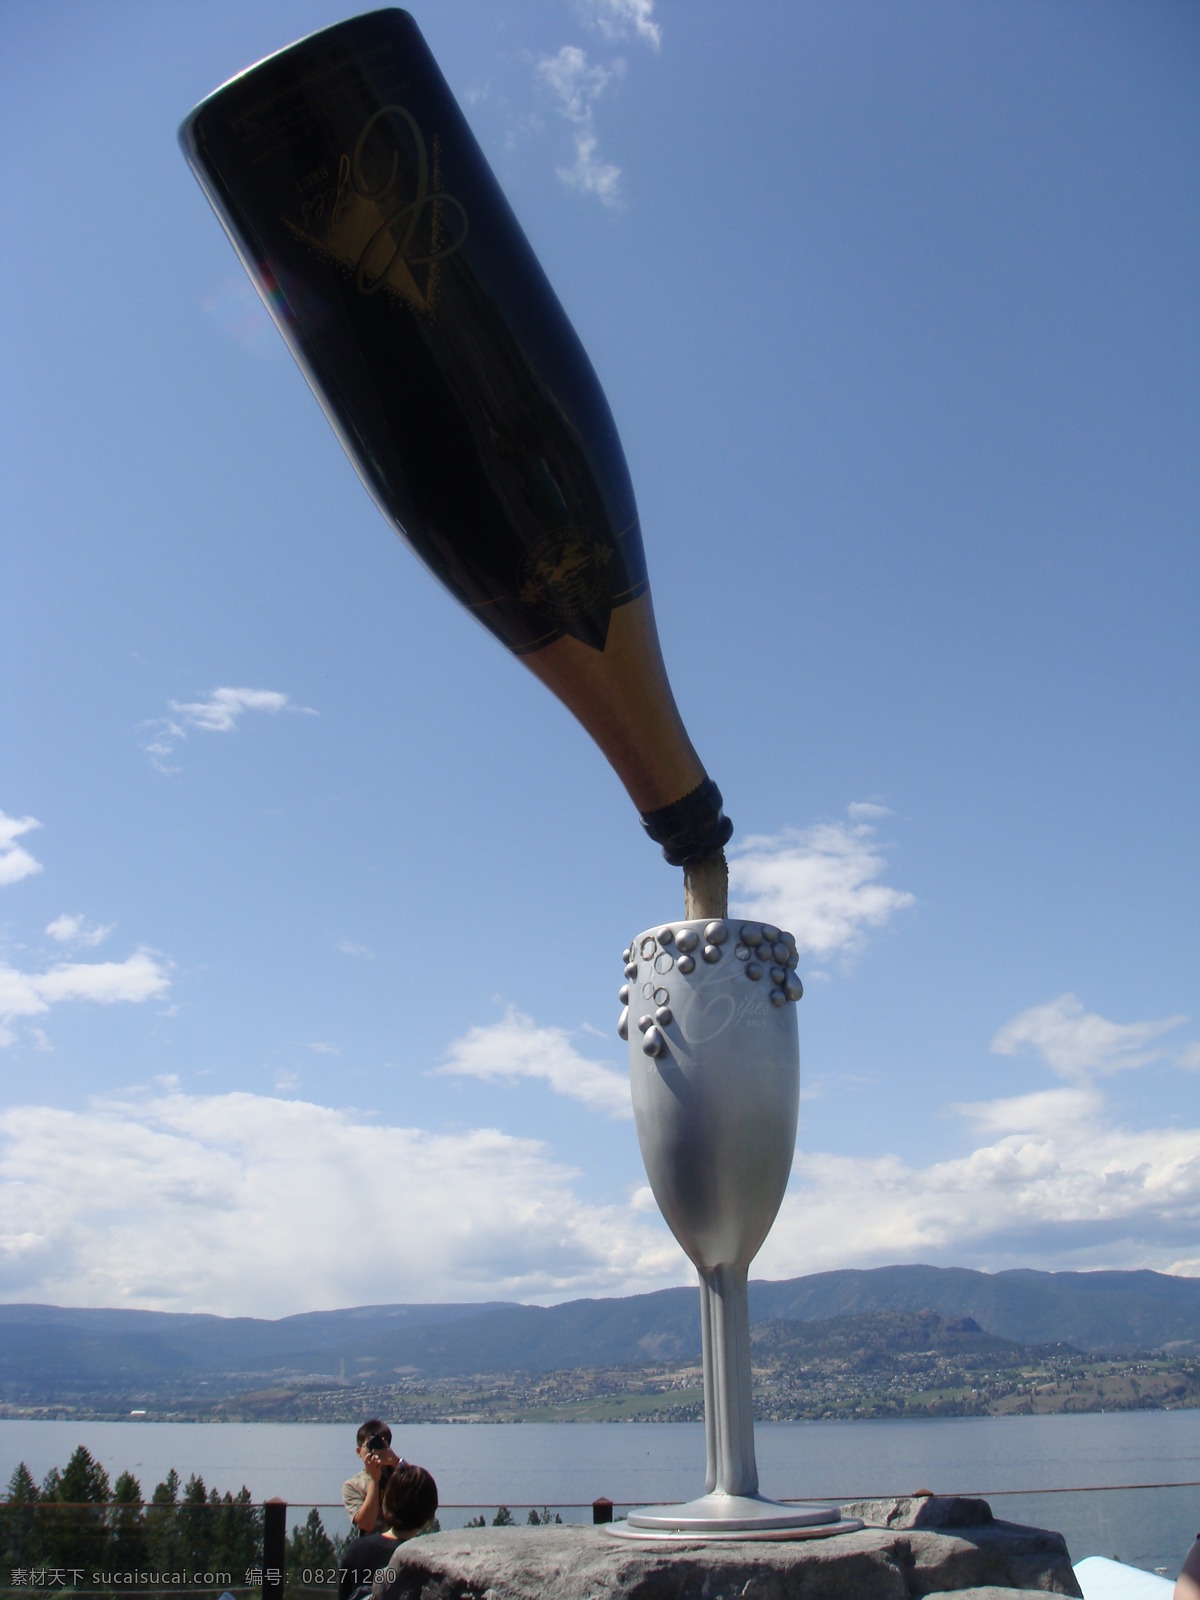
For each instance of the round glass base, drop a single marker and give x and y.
(733, 1516)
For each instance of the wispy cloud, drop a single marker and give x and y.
(87, 1195)
(145, 975)
(1076, 1043)
(87, 1192)
(1054, 1183)
(349, 948)
(575, 86)
(820, 883)
(867, 811)
(142, 976)
(622, 19)
(15, 861)
(1085, 1196)
(516, 1047)
(66, 929)
(220, 712)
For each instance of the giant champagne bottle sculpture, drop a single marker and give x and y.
(363, 209)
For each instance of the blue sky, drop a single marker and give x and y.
(312, 900)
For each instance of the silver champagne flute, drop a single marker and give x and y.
(714, 1065)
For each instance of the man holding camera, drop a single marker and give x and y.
(361, 1494)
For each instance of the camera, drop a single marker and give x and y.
(377, 1442)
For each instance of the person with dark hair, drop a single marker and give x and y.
(361, 1493)
(1187, 1586)
(409, 1502)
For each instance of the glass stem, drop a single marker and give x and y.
(728, 1392)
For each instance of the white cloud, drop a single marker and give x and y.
(74, 930)
(1043, 1111)
(15, 861)
(618, 19)
(1054, 1184)
(1083, 1194)
(1075, 1042)
(819, 883)
(90, 1198)
(349, 948)
(515, 1047)
(265, 1191)
(324, 1049)
(220, 712)
(575, 87)
(142, 976)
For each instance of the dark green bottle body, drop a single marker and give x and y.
(362, 207)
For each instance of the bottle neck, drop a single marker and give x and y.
(623, 698)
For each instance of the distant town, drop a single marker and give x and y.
(875, 1365)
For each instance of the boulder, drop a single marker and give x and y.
(928, 1550)
(922, 1511)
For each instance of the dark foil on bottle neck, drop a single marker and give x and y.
(691, 828)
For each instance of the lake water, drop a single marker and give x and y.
(1022, 1464)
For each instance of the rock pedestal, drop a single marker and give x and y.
(928, 1546)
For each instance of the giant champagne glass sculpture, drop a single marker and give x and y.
(365, 213)
(714, 1067)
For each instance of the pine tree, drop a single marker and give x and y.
(127, 1524)
(163, 1545)
(544, 1520)
(193, 1522)
(310, 1550)
(235, 1539)
(77, 1533)
(18, 1521)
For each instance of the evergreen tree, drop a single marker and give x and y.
(83, 1480)
(77, 1533)
(503, 1518)
(19, 1543)
(235, 1538)
(195, 1525)
(310, 1550)
(129, 1551)
(163, 1545)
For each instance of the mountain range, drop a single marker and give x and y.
(51, 1354)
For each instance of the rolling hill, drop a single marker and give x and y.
(52, 1355)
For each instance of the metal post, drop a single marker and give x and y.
(274, 1547)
